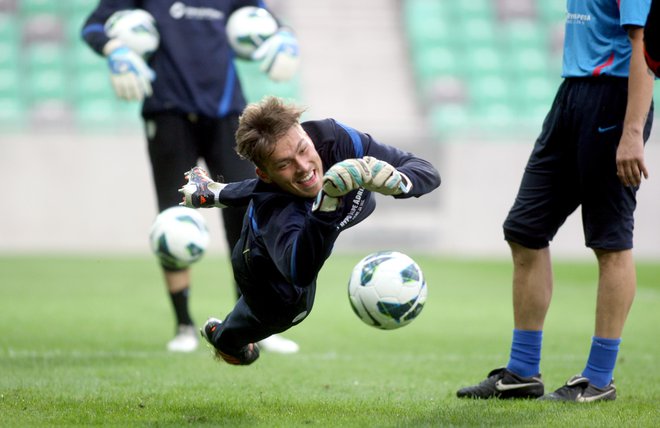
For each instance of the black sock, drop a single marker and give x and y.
(180, 303)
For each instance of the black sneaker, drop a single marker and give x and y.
(501, 383)
(245, 356)
(580, 390)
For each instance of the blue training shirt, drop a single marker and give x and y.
(194, 65)
(596, 41)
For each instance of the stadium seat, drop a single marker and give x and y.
(471, 9)
(9, 29)
(489, 90)
(44, 56)
(92, 84)
(79, 6)
(38, 7)
(478, 33)
(483, 61)
(258, 84)
(10, 83)
(495, 120)
(9, 55)
(527, 62)
(551, 12)
(435, 62)
(448, 120)
(95, 115)
(525, 34)
(13, 115)
(47, 85)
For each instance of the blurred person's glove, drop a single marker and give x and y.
(201, 191)
(346, 176)
(130, 76)
(385, 179)
(279, 55)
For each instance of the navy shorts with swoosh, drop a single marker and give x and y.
(573, 163)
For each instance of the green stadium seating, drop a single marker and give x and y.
(469, 9)
(9, 55)
(10, 83)
(38, 7)
(482, 60)
(434, 62)
(96, 115)
(448, 119)
(256, 84)
(489, 90)
(44, 56)
(523, 34)
(13, 115)
(47, 85)
(527, 62)
(551, 11)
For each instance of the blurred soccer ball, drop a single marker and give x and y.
(247, 28)
(136, 28)
(179, 237)
(387, 290)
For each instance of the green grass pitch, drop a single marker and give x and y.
(82, 342)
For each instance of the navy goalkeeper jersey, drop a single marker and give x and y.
(194, 65)
(284, 244)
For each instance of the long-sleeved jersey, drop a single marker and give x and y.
(284, 244)
(194, 65)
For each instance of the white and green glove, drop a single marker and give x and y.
(130, 76)
(346, 176)
(279, 55)
(386, 179)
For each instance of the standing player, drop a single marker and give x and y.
(590, 153)
(295, 213)
(192, 99)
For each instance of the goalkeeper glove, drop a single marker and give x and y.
(325, 203)
(386, 179)
(130, 76)
(279, 55)
(346, 176)
(201, 191)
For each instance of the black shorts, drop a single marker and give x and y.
(573, 163)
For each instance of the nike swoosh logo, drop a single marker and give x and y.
(608, 128)
(509, 386)
(581, 399)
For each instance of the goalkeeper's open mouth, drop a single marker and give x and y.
(310, 183)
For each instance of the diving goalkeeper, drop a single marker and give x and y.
(314, 179)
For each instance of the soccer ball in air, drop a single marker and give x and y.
(136, 28)
(387, 290)
(247, 28)
(179, 237)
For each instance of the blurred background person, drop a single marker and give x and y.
(192, 98)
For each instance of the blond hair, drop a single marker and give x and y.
(261, 125)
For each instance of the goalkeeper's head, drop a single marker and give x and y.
(269, 135)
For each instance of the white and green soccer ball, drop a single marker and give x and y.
(247, 28)
(387, 290)
(136, 28)
(179, 237)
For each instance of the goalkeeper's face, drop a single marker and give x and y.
(294, 165)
